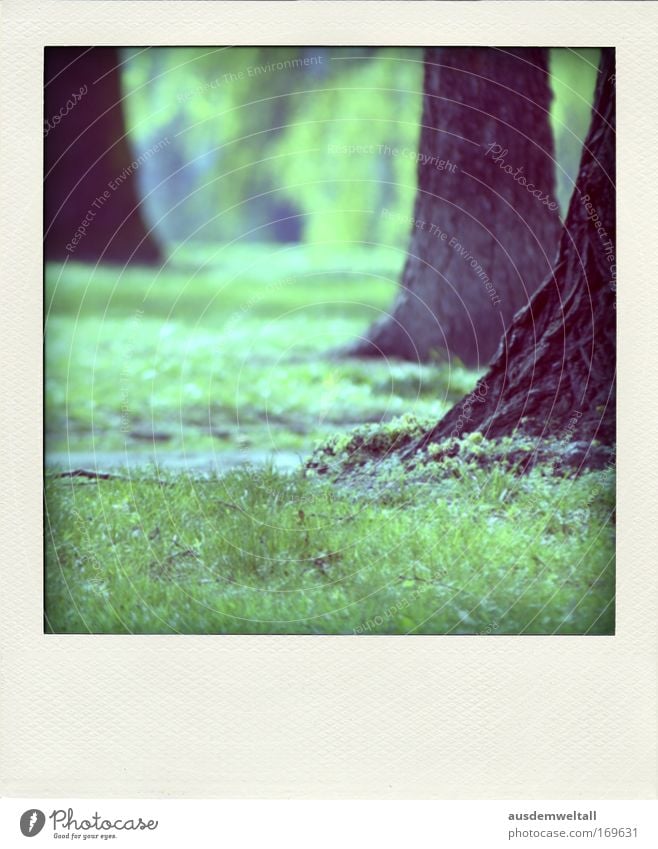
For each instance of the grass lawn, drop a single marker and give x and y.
(233, 357)
(257, 551)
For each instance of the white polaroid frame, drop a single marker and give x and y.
(328, 716)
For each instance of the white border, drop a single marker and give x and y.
(309, 717)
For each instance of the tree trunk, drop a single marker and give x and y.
(486, 221)
(556, 363)
(91, 200)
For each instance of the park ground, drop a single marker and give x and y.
(235, 496)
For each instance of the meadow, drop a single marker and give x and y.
(202, 390)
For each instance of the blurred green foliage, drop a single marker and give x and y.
(281, 144)
(573, 77)
(253, 129)
(231, 355)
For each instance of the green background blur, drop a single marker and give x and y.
(263, 134)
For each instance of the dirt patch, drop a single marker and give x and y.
(175, 461)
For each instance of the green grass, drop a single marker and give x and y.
(234, 356)
(257, 551)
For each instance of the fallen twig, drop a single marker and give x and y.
(92, 474)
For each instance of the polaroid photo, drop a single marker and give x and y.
(327, 456)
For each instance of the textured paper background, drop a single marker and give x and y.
(443, 717)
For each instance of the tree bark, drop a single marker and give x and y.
(92, 206)
(556, 363)
(486, 221)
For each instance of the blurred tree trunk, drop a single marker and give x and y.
(91, 199)
(486, 220)
(558, 357)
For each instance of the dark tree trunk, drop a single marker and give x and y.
(486, 221)
(556, 363)
(91, 201)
